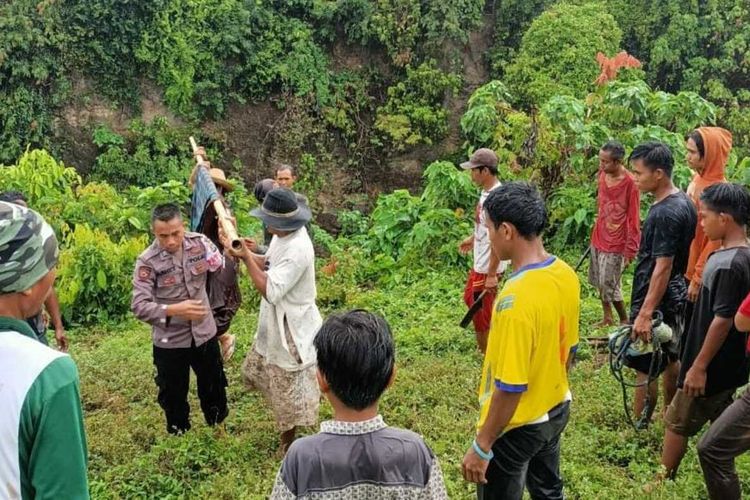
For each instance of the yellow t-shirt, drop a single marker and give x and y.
(533, 332)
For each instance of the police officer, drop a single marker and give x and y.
(169, 293)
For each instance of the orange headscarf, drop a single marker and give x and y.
(717, 143)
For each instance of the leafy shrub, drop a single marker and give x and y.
(572, 211)
(395, 24)
(433, 241)
(558, 51)
(48, 184)
(631, 113)
(486, 106)
(448, 187)
(186, 45)
(94, 275)
(206, 53)
(490, 121)
(353, 222)
(155, 153)
(413, 113)
(106, 50)
(31, 76)
(410, 234)
(392, 219)
(451, 20)
(99, 205)
(349, 110)
(740, 172)
(410, 28)
(681, 111)
(510, 25)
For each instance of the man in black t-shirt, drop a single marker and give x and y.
(713, 362)
(658, 283)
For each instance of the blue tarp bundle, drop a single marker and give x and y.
(204, 192)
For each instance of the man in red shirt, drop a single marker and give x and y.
(617, 230)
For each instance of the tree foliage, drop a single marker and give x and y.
(512, 19)
(696, 46)
(413, 113)
(558, 51)
(31, 75)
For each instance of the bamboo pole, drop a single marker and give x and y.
(225, 219)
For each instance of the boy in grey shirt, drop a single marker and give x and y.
(357, 455)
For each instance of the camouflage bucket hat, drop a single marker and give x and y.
(28, 248)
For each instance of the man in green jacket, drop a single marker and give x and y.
(42, 439)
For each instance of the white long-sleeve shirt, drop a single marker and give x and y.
(290, 301)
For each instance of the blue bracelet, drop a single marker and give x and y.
(482, 454)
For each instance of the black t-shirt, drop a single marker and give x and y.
(667, 232)
(726, 282)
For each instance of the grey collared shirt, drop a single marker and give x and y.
(360, 460)
(161, 278)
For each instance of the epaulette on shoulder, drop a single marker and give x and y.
(152, 250)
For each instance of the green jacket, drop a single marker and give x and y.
(42, 439)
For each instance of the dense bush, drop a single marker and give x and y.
(408, 29)
(410, 235)
(413, 113)
(695, 46)
(94, 275)
(47, 184)
(101, 38)
(448, 187)
(558, 51)
(512, 20)
(31, 76)
(152, 154)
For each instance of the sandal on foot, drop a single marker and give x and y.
(227, 350)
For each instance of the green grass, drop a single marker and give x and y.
(131, 455)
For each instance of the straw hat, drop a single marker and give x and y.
(217, 175)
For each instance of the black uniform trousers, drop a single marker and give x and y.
(173, 380)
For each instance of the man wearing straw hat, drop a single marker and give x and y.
(222, 286)
(281, 362)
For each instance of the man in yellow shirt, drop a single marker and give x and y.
(524, 393)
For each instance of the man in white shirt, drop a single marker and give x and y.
(483, 168)
(281, 363)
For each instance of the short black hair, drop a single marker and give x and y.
(356, 356)
(493, 170)
(615, 149)
(165, 212)
(731, 199)
(13, 196)
(284, 166)
(262, 188)
(520, 204)
(655, 155)
(698, 140)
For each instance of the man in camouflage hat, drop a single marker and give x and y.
(39, 322)
(42, 438)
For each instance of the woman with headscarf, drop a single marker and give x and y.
(708, 150)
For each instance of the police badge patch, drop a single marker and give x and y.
(144, 273)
